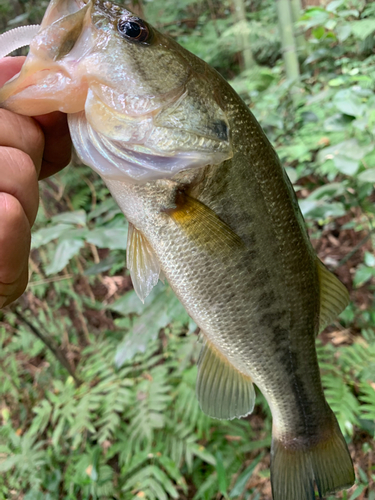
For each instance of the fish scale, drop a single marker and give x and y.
(210, 208)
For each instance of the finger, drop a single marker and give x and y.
(15, 248)
(10, 66)
(19, 179)
(22, 132)
(58, 144)
(10, 293)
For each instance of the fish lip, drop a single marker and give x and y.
(40, 77)
(44, 75)
(28, 96)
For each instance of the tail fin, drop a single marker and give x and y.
(296, 470)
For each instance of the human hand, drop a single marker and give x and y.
(30, 149)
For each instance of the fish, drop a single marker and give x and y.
(211, 209)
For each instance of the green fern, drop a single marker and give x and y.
(367, 396)
(150, 401)
(152, 476)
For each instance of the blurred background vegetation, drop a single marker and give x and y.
(97, 390)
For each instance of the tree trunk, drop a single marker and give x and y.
(296, 7)
(243, 40)
(288, 44)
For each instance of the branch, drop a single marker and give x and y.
(52, 346)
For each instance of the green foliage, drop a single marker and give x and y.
(144, 417)
(128, 426)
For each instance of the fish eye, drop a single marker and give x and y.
(133, 29)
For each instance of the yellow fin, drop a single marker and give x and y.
(202, 224)
(142, 263)
(334, 297)
(222, 391)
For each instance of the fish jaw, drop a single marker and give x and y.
(39, 90)
(48, 81)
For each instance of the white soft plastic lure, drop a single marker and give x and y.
(17, 38)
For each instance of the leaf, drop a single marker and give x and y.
(205, 487)
(367, 175)
(317, 209)
(18, 19)
(292, 174)
(221, 474)
(103, 207)
(47, 234)
(362, 274)
(161, 307)
(362, 475)
(41, 419)
(109, 237)
(336, 82)
(349, 103)
(171, 467)
(333, 6)
(315, 16)
(369, 259)
(130, 303)
(164, 480)
(318, 32)
(358, 491)
(343, 32)
(363, 28)
(105, 265)
(243, 478)
(201, 452)
(34, 495)
(330, 190)
(350, 149)
(337, 122)
(346, 165)
(78, 217)
(65, 250)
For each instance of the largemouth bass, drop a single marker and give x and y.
(211, 208)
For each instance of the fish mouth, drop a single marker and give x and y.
(48, 81)
(37, 91)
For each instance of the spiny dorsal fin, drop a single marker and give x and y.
(142, 263)
(334, 297)
(222, 391)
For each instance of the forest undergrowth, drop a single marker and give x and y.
(97, 390)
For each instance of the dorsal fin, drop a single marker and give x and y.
(334, 297)
(222, 391)
(142, 263)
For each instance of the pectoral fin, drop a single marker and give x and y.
(142, 263)
(222, 391)
(204, 226)
(334, 297)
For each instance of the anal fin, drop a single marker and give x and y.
(223, 392)
(142, 263)
(334, 297)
